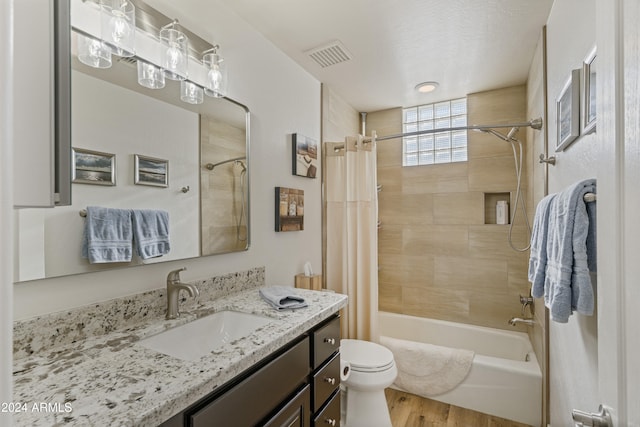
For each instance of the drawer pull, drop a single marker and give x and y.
(330, 341)
(330, 380)
(330, 421)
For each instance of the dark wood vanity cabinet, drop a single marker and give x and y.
(325, 378)
(294, 387)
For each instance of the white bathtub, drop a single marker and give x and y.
(505, 378)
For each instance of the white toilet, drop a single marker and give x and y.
(372, 370)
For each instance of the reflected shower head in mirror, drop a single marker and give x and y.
(242, 165)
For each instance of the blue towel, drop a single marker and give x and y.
(282, 297)
(567, 285)
(151, 233)
(538, 252)
(107, 235)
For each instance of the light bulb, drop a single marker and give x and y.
(119, 27)
(174, 54)
(215, 78)
(174, 58)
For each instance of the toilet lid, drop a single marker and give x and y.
(365, 355)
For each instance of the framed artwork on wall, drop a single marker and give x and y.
(93, 167)
(588, 110)
(151, 171)
(305, 156)
(289, 209)
(568, 111)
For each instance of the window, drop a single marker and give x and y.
(438, 147)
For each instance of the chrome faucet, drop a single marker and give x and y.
(515, 320)
(174, 286)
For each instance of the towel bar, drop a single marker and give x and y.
(590, 197)
(83, 213)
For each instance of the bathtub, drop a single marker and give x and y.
(505, 379)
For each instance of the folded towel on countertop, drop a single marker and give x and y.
(568, 285)
(282, 297)
(107, 235)
(151, 232)
(538, 253)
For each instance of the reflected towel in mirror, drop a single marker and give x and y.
(151, 232)
(107, 235)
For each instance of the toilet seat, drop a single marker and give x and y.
(365, 356)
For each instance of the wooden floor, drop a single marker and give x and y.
(409, 410)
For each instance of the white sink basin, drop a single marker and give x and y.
(193, 340)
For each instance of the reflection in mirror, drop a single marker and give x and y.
(112, 113)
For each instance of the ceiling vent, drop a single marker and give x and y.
(131, 61)
(329, 54)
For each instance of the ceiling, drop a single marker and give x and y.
(466, 46)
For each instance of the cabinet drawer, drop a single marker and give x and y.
(326, 341)
(326, 381)
(330, 414)
(295, 413)
(262, 391)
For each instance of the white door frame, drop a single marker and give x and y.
(618, 206)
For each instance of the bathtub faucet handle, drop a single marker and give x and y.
(526, 301)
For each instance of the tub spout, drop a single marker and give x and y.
(515, 320)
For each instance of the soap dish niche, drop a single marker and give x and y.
(492, 214)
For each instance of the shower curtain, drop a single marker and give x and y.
(352, 235)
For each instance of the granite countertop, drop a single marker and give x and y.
(110, 380)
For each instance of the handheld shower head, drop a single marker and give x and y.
(512, 132)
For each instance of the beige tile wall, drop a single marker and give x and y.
(437, 257)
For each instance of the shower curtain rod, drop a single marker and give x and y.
(534, 123)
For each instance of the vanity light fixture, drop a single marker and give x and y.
(426, 87)
(217, 75)
(93, 53)
(149, 75)
(118, 26)
(191, 92)
(174, 54)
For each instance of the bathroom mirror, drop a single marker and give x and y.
(203, 151)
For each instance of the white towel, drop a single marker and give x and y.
(427, 369)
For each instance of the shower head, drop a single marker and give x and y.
(512, 132)
(497, 134)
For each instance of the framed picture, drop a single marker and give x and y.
(93, 167)
(151, 171)
(568, 111)
(289, 209)
(305, 156)
(588, 110)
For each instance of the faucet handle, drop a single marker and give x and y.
(526, 301)
(174, 276)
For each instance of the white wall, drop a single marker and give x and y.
(573, 347)
(283, 99)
